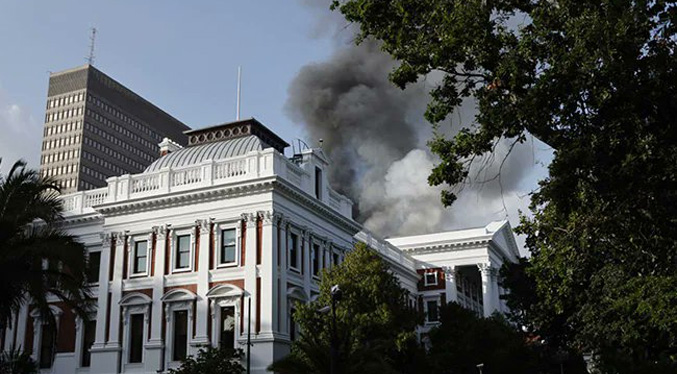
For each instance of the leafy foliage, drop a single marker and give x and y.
(36, 258)
(15, 361)
(212, 360)
(375, 326)
(463, 340)
(597, 82)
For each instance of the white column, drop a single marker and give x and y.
(102, 301)
(283, 275)
(250, 271)
(116, 290)
(450, 283)
(158, 284)
(487, 289)
(153, 361)
(21, 326)
(269, 273)
(202, 307)
(307, 271)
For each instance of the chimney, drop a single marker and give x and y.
(168, 146)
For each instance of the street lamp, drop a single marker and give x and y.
(479, 367)
(333, 358)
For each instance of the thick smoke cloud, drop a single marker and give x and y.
(364, 120)
(375, 135)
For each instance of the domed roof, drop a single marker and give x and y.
(210, 151)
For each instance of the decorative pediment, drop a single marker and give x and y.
(135, 299)
(225, 291)
(297, 293)
(178, 295)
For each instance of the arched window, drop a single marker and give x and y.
(44, 336)
(225, 312)
(135, 314)
(179, 325)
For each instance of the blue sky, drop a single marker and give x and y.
(183, 56)
(180, 55)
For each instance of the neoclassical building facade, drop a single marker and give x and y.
(219, 241)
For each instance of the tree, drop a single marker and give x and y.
(14, 361)
(212, 360)
(375, 325)
(36, 258)
(596, 81)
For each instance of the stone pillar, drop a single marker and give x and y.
(284, 223)
(106, 352)
(450, 283)
(116, 290)
(307, 271)
(269, 273)
(487, 289)
(154, 354)
(250, 272)
(202, 307)
(102, 301)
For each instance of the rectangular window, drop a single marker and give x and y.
(182, 260)
(136, 338)
(431, 278)
(336, 258)
(180, 335)
(228, 241)
(93, 267)
(293, 250)
(432, 311)
(47, 345)
(88, 336)
(227, 338)
(316, 259)
(318, 183)
(140, 257)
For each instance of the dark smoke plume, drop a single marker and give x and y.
(364, 120)
(375, 135)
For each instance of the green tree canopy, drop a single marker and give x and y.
(375, 325)
(597, 82)
(36, 258)
(212, 360)
(463, 340)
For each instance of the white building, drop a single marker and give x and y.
(183, 248)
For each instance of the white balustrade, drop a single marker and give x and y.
(257, 164)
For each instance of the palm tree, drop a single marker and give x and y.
(38, 261)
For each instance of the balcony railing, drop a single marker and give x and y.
(254, 165)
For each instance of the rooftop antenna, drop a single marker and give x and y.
(239, 89)
(92, 40)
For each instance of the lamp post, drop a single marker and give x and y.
(479, 367)
(333, 358)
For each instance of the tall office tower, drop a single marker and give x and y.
(96, 128)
